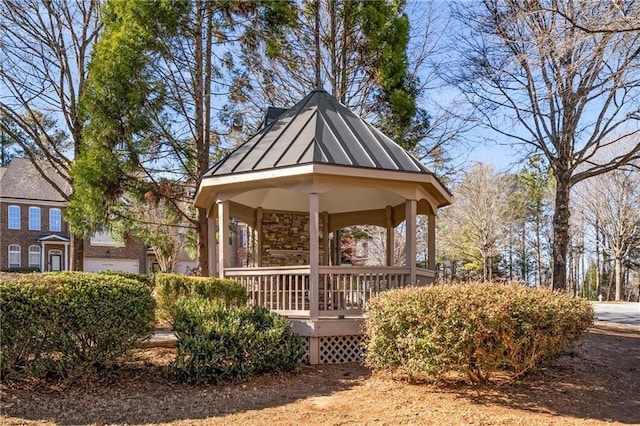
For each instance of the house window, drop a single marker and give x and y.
(14, 256)
(14, 217)
(34, 256)
(55, 220)
(34, 218)
(103, 239)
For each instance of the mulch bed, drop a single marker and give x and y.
(598, 382)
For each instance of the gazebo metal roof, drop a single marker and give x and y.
(318, 130)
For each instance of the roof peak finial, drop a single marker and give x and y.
(319, 88)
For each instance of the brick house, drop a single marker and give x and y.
(33, 233)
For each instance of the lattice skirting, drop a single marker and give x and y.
(337, 349)
(305, 350)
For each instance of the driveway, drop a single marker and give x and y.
(618, 312)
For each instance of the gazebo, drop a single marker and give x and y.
(313, 170)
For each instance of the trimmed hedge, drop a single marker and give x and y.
(26, 270)
(143, 278)
(68, 323)
(170, 287)
(217, 343)
(475, 329)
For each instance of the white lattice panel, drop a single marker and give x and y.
(341, 349)
(305, 359)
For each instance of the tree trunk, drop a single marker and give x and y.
(200, 101)
(523, 266)
(317, 43)
(333, 48)
(618, 273)
(77, 254)
(561, 230)
(346, 32)
(484, 267)
(597, 260)
(609, 284)
(203, 249)
(510, 258)
(538, 252)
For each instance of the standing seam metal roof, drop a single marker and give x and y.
(318, 129)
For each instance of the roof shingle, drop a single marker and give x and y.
(21, 180)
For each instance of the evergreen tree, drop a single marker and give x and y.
(149, 105)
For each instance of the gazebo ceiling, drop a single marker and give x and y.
(339, 200)
(320, 146)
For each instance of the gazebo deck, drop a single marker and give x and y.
(329, 317)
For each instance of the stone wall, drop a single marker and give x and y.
(285, 239)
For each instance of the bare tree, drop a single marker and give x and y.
(45, 47)
(478, 217)
(612, 206)
(540, 81)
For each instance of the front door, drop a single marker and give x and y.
(55, 261)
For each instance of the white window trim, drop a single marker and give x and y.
(39, 252)
(103, 239)
(9, 217)
(39, 210)
(59, 227)
(18, 252)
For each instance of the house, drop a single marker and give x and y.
(313, 171)
(34, 235)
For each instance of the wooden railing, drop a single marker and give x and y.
(283, 289)
(341, 290)
(346, 290)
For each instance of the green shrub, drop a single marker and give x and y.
(170, 287)
(25, 270)
(218, 343)
(26, 312)
(147, 280)
(68, 323)
(475, 329)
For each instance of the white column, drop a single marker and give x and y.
(314, 255)
(223, 235)
(411, 207)
(431, 242)
(211, 243)
(66, 257)
(390, 234)
(42, 255)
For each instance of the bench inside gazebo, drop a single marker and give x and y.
(314, 170)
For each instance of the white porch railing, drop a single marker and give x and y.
(345, 290)
(283, 289)
(342, 290)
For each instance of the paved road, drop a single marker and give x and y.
(618, 313)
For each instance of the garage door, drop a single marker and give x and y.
(106, 264)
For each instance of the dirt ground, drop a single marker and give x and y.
(598, 382)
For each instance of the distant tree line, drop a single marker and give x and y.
(500, 228)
